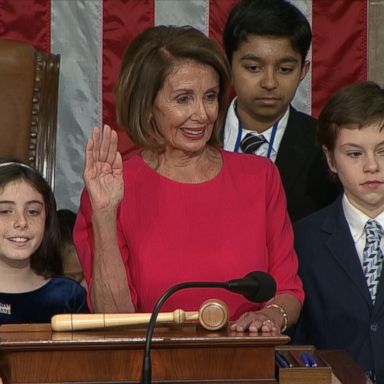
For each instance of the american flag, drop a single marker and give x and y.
(91, 35)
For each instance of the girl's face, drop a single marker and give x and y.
(22, 222)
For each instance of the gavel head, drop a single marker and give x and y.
(213, 314)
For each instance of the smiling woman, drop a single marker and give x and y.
(182, 209)
(29, 252)
(184, 113)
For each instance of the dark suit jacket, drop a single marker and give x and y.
(338, 311)
(303, 169)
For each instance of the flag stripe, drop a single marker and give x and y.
(80, 106)
(339, 47)
(375, 60)
(303, 97)
(27, 21)
(218, 14)
(91, 37)
(122, 21)
(176, 12)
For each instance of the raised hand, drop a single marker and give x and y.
(103, 173)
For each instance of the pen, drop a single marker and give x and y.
(281, 360)
(311, 359)
(304, 359)
(308, 360)
(292, 362)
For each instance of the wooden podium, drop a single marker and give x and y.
(188, 354)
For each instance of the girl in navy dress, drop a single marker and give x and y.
(31, 290)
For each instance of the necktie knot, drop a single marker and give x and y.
(251, 142)
(373, 231)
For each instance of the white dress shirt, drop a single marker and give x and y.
(356, 221)
(231, 132)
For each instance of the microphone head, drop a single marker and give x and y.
(266, 287)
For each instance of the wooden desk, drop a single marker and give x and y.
(188, 354)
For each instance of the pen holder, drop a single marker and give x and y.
(294, 371)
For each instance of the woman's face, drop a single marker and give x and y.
(22, 221)
(186, 107)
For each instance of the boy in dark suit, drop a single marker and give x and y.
(266, 42)
(340, 247)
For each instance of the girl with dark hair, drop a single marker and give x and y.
(30, 292)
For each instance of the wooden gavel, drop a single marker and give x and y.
(212, 315)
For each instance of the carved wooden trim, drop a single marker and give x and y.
(42, 147)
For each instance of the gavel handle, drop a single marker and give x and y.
(86, 321)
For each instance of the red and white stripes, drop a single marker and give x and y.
(91, 36)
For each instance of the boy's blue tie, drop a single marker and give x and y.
(372, 256)
(251, 142)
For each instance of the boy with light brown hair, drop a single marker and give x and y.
(340, 247)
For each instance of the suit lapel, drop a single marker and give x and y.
(379, 303)
(342, 247)
(295, 148)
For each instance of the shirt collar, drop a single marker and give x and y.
(357, 219)
(232, 126)
(279, 133)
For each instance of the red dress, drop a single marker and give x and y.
(222, 229)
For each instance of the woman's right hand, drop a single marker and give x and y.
(103, 173)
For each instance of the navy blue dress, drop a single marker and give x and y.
(58, 295)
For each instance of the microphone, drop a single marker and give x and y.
(256, 286)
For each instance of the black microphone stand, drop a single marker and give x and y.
(255, 286)
(146, 377)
